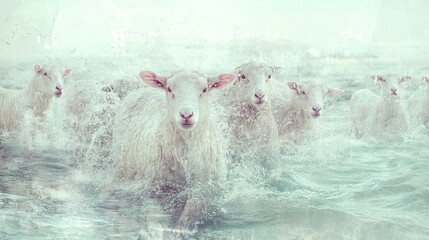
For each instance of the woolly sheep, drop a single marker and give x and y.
(122, 87)
(170, 138)
(89, 115)
(378, 115)
(249, 107)
(297, 115)
(418, 105)
(91, 110)
(83, 97)
(87, 101)
(47, 82)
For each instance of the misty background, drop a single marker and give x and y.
(30, 29)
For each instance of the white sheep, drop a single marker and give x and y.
(168, 138)
(418, 105)
(90, 112)
(91, 108)
(379, 115)
(295, 114)
(248, 103)
(47, 82)
(123, 86)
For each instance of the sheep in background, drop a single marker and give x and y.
(418, 105)
(122, 87)
(378, 115)
(90, 106)
(296, 115)
(250, 113)
(90, 112)
(47, 82)
(170, 139)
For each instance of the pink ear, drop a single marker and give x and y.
(405, 78)
(377, 77)
(221, 80)
(37, 68)
(67, 72)
(152, 79)
(292, 85)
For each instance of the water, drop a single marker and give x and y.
(330, 186)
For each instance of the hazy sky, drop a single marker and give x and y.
(31, 27)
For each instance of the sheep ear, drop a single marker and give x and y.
(377, 77)
(153, 80)
(67, 72)
(37, 68)
(425, 78)
(237, 70)
(293, 85)
(334, 91)
(405, 78)
(220, 81)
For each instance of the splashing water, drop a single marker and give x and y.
(330, 186)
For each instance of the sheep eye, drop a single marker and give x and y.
(269, 76)
(204, 90)
(169, 89)
(303, 92)
(46, 74)
(243, 77)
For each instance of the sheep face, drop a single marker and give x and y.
(52, 78)
(187, 94)
(390, 85)
(311, 96)
(253, 80)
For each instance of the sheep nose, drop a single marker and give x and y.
(317, 109)
(186, 115)
(59, 88)
(259, 95)
(394, 90)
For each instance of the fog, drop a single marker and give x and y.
(105, 27)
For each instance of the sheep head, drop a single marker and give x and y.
(390, 85)
(311, 95)
(52, 78)
(122, 87)
(187, 94)
(253, 81)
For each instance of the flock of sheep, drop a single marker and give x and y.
(173, 132)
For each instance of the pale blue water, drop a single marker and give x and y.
(329, 187)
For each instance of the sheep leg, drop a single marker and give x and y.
(190, 214)
(166, 194)
(357, 129)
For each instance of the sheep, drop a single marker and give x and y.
(296, 117)
(172, 140)
(47, 82)
(89, 115)
(123, 86)
(379, 115)
(250, 113)
(418, 105)
(90, 109)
